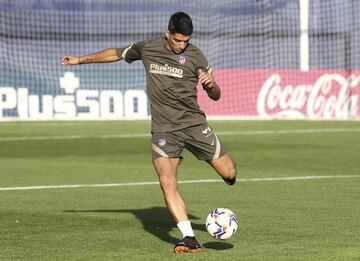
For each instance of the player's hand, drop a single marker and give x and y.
(206, 79)
(70, 60)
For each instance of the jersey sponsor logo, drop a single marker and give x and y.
(182, 58)
(166, 70)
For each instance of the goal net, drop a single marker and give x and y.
(272, 59)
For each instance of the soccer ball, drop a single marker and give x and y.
(221, 223)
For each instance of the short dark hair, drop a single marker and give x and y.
(181, 23)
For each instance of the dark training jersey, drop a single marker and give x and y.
(171, 83)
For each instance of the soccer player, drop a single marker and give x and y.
(173, 67)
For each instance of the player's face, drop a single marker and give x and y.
(177, 42)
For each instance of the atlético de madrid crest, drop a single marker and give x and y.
(162, 142)
(182, 58)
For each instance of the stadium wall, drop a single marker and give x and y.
(253, 47)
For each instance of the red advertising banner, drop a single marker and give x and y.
(293, 94)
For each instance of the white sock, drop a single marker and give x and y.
(185, 228)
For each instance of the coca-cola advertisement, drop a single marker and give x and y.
(286, 94)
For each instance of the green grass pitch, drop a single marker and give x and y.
(294, 216)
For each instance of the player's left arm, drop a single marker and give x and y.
(209, 84)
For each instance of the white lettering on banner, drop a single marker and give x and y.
(7, 99)
(130, 97)
(114, 98)
(69, 82)
(64, 106)
(23, 103)
(47, 107)
(85, 98)
(330, 97)
(76, 103)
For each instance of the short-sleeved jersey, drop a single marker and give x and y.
(171, 83)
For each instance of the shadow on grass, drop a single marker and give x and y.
(155, 220)
(218, 245)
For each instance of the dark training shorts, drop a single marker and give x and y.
(200, 140)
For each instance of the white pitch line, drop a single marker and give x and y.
(75, 137)
(145, 135)
(181, 182)
(290, 131)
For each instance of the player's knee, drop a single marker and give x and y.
(232, 172)
(231, 175)
(167, 183)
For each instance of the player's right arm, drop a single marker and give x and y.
(105, 56)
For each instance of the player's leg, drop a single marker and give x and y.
(202, 141)
(166, 169)
(166, 153)
(225, 166)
